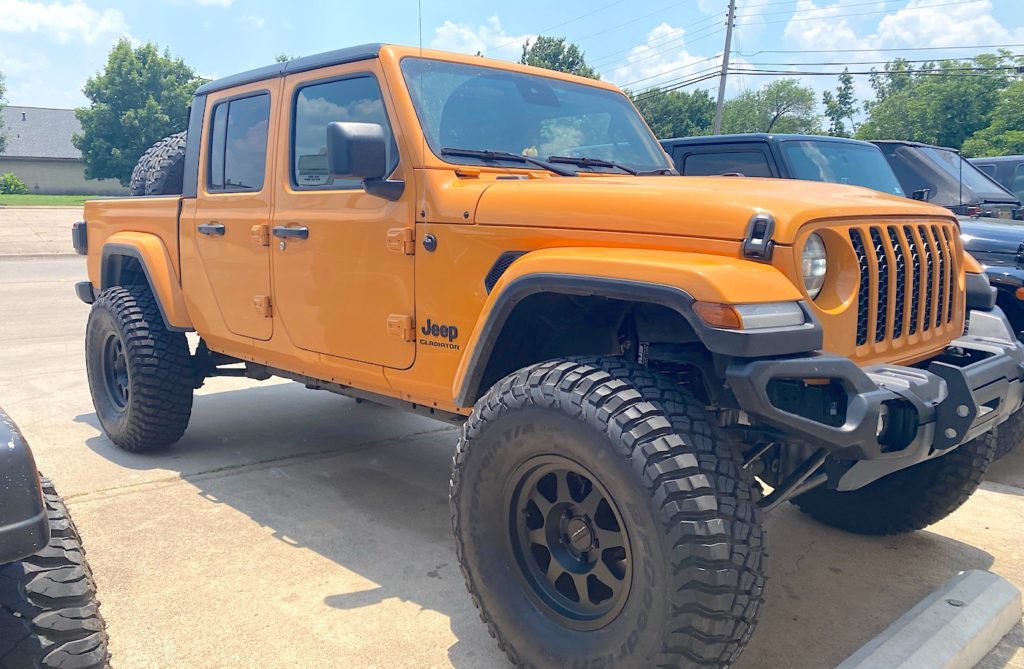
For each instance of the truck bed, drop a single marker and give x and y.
(156, 215)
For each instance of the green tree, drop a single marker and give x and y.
(1005, 134)
(282, 58)
(676, 113)
(3, 103)
(139, 98)
(940, 103)
(840, 106)
(782, 106)
(555, 53)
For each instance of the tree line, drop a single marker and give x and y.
(976, 105)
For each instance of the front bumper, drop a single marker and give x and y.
(884, 418)
(24, 528)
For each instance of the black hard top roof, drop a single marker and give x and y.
(338, 57)
(754, 136)
(997, 159)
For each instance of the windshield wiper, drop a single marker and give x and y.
(494, 156)
(591, 162)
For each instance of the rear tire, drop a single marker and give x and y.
(49, 615)
(141, 374)
(161, 169)
(907, 500)
(685, 572)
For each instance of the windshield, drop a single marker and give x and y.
(487, 109)
(952, 163)
(841, 163)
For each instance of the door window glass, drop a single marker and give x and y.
(747, 163)
(358, 100)
(238, 144)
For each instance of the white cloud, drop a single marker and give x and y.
(254, 21)
(489, 38)
(655, 62)
(65, 22)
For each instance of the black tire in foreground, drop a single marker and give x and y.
(600, 520)
(140, 373)
(161, 168)
(49, 616)
(1010, 434)
(910, 499)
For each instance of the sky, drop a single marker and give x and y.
(49, 49)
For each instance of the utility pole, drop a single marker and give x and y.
(725, 67)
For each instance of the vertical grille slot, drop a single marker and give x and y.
(929, 263)
(864, 289)
(915, 274)
(900, 276)
(882, 304)
(951, 254)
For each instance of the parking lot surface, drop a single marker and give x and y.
(293, 527)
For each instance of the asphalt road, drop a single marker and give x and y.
(296, 528)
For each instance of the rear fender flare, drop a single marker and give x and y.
(158, 267)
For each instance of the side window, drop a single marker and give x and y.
(747, 163)
(238, 144)
(356, 99)
(988, 169)
(1017, 183)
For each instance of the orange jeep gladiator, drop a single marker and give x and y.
(501, 246)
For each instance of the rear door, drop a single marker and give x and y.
(342, 258)
(234, 203)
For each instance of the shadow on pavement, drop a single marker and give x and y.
(367, 488)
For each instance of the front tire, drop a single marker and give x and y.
(1010, 433)
(907, 500)
(601, 520)
(140, 373)
(49, 615)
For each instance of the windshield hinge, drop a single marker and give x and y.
(402, 240)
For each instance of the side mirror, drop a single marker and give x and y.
(356, 150)
(922, 195)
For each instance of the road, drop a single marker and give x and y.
(296, 528)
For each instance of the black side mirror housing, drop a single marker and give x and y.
(360, 151)
(356, 150)
(922, 195)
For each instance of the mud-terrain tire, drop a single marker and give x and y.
(140, 373)
(907, 500)
(1010, 433)
(49, 615)
(694, 546)
(161, 168)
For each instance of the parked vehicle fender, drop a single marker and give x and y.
(669, 278)
(124, 250)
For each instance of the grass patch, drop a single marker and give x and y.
(45, 200)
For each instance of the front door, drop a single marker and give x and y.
(342, 258)
(234, 208)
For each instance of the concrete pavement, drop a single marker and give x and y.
(37, 230)
(296, 528)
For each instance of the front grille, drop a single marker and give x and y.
(907, 280)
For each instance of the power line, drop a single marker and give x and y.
(875, 62)
(671, 37)
(559, 25)
(647, 55)
(730, 21)
(883, 11)
(674, 69)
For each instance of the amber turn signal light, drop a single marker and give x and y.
(718, 315)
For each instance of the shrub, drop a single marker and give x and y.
(10, 184)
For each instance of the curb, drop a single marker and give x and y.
(952, 628)
(37, 256)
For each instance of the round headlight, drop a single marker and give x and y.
(813, 265)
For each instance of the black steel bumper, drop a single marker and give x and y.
(24, 528)
(888, 417)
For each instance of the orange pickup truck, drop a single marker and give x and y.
(510, 249)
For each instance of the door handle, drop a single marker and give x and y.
(212, 229)
(296, 232)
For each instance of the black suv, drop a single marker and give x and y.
(48, 608)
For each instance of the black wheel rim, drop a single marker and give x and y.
(569, 541)
(115, 372)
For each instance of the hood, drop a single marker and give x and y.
(979, 237)
(711, 207)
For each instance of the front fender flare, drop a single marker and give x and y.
(158, 267)
(669, 278)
